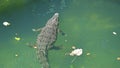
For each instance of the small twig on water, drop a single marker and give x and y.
(74, 59)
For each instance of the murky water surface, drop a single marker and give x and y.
(92, 25)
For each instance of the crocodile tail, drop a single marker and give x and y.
(42, 56)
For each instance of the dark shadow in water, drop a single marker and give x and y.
(56, 48)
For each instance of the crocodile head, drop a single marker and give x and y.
(54, 20)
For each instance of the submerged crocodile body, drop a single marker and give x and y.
(46, 38)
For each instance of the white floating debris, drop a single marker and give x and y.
(114, 33)
(118, 58)
(6, 23)
(73, 47)
(76, 52)
(16, 55)
(88, 54)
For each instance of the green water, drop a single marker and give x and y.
(89, 24)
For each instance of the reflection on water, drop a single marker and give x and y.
(90, 25)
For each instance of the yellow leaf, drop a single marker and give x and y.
(17, 38)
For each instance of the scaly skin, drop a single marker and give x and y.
(46, 38)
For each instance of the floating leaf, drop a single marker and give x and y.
(17, 38)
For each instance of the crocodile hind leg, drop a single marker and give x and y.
(50, 47)
(54, 47)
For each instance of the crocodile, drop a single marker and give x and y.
(46, 39)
